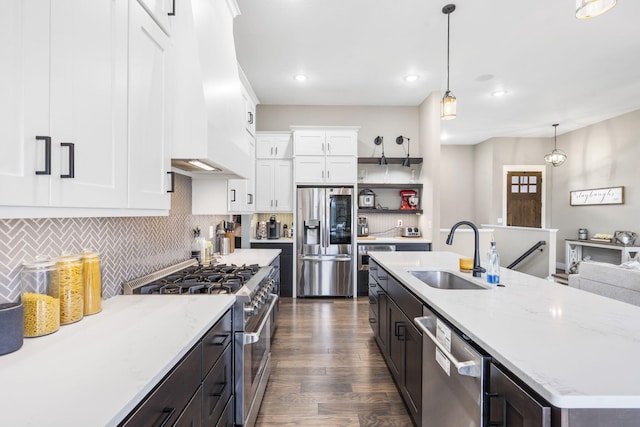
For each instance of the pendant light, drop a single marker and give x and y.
(399, 140)
(448, 104)
(555, 157)
(379, 140)
(587, 9)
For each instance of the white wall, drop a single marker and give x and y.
(606, 154)
(388, 122)
(457, 194)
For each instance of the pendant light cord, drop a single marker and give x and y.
(448, 32)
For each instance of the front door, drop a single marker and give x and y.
(524, 199)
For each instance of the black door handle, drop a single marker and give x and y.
(47, 155)
(72, 159)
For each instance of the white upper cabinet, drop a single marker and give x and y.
(149, 123)
(274, 146)
(64, 104)
(274, 185)
(325, 156)
(161, 10)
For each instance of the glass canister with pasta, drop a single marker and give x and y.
(92, 282)
(40, 297)
(71, 289)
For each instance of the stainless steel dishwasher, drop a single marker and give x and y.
(453, 375)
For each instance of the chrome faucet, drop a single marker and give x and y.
(477, 270)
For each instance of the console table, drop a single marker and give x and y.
(574, 247)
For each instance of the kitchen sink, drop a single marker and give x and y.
(444, 280)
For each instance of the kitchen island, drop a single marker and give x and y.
(96, 371)
(575, 349)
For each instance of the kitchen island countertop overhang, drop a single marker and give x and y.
(568, 345)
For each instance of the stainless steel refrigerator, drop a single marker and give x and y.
(326, 241)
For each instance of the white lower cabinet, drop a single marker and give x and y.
(274, 186)
(149, 97)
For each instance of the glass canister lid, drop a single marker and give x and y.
(89, 253)
(40, 262)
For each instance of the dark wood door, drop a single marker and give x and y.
(524, 199)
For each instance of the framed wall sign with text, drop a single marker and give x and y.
(597, 196)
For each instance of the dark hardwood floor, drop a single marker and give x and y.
(327, 369)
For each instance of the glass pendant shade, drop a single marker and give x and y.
(556, 157)
(448, 106)
(587, 9)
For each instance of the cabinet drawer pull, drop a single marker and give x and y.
(168, 414)
(219, 390)
(173, 182)
(47, 155)
(250, 118)
(173, 9)
(72, 159)
(219, 339)
(372, 320)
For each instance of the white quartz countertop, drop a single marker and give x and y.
(262, 257)
(95, 371)
(574, 348)
(394, 240)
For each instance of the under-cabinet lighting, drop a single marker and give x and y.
(201, 165)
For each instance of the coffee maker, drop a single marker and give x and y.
(409, 200)
(363, 226)
(273, 228)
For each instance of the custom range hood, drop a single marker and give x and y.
(208, 109)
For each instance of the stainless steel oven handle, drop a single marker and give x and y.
(254, 337)
(469, 368)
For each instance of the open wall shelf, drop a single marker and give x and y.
(389, 211)
(390, 160)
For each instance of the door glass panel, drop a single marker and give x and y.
(340, 220)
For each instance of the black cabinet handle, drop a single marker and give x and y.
(233, 199)
(72, 159)
(219, 339)
(503, 422)
(168, 413)
(219, 390)
(47, 155)
(173, 9)
(250, 118)
(250, 199)
(173, 182)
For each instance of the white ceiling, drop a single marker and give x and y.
(556, 68)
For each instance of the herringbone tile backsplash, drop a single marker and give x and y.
(129, 247)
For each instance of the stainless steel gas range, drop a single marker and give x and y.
(253, 323)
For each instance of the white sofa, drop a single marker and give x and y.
(608, 280)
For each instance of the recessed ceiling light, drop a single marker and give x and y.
(411, 77)
(499, 93)
(300, 77)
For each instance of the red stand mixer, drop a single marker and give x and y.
(409, 200)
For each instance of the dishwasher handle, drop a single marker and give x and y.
(469, 368)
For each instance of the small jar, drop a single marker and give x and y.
(40, 297)
(91, 282)
(71, 289)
